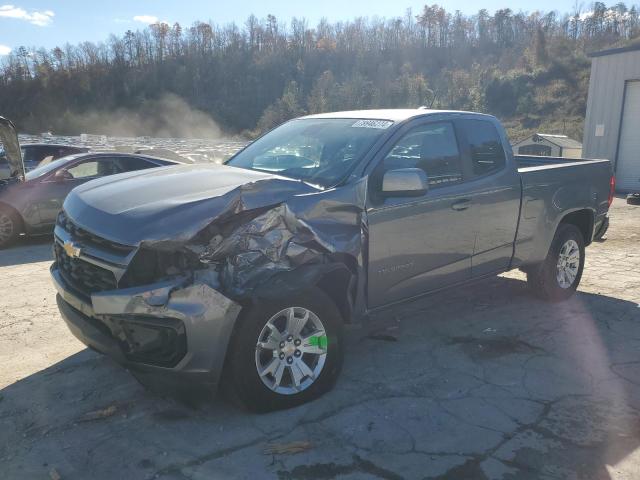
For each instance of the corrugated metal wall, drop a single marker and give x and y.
(628, 158)
(604, 105)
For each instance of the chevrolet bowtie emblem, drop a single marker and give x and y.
(71, 249)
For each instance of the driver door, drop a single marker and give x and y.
(419, 243)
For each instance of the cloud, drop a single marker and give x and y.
(148, 19)
(4, 50)
(41, 18)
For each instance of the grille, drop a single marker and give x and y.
(88, 238)
(83, 276)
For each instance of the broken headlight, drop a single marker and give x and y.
(150, 266)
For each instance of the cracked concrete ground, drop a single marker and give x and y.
(482, 382)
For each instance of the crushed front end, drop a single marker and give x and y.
(161, 288)
(149, 310)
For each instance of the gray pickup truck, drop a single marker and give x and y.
(243, 275)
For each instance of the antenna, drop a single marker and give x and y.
(424, 107)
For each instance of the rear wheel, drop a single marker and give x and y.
(558, 277)
(285, 352)
(9, 227)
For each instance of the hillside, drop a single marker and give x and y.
(529, 69)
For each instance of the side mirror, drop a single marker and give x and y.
(62, 175)
(405, 182)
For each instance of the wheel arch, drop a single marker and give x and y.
(336, 277)
(340, 286)
(16, 213)
(584, 220)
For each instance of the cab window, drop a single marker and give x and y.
(433, 148)
(31, 154)
(94, 168)
(130, 164)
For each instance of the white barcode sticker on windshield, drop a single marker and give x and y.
(372, 124)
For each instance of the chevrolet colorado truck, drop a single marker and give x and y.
(243, 275)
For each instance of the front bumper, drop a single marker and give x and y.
(187, 321)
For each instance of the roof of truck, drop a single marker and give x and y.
(393, 114)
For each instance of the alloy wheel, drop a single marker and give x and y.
(568, 263)
(291, 350)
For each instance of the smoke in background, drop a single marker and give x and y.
(167, 117)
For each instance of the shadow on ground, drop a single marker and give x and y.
(27, 250)
(472, 384)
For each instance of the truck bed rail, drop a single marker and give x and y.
(532, 161)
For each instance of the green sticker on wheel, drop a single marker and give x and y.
(320, 341)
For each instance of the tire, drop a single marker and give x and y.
(602, 230)
(264, 393)
(633, 199)
(9, 227)
(546, 279)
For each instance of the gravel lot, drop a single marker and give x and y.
(480, 382)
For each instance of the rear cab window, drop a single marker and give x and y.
(485, 146)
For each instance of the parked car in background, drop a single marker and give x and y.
(247, 272)
(35, 153)
(31, 205)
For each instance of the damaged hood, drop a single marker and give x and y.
(9, 140)
(173, 203)
(253, 234)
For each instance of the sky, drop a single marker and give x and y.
(48, 23)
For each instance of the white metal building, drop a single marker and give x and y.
(612, 125)
(548, 145)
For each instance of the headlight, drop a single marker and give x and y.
(150, 266)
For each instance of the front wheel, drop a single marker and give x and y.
(285, 352)
(558, 277)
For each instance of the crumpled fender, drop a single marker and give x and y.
(254, 249)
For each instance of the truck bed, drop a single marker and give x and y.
(552, 187)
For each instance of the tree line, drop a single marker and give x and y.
(530, 69)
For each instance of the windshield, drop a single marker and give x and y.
(44, 169)
(318, 151)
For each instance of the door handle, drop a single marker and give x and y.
(461, 204)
